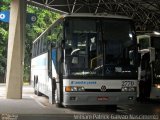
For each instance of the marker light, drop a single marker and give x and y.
(68, 88)
(128, 89)
(74, 88)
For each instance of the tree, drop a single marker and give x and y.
(3, 41)
(45, 19)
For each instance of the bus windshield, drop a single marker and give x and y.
(99, 48)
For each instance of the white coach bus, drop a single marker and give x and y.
(92, 60)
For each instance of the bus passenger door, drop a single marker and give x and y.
(52, 73)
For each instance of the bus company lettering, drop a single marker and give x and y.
(83, 82)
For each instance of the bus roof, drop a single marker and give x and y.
(95, 15)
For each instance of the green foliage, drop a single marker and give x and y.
(6, 1)
(45, 19)
(3, 39)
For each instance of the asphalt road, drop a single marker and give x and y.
(32, 107)
(145, 111)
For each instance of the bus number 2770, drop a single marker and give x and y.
(127, 83)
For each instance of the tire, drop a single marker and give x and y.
(111, 107)
(36, 88)
(59, 105)
(38, 93)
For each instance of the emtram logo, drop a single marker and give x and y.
(83, 82)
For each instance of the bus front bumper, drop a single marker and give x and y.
(98, 98)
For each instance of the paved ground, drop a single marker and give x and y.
(32, 107)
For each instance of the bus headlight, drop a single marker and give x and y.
(128, 89)
(131, 89)
(80, 89)
(74, 88)
(124, 89)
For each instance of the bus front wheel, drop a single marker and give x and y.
(111, 107)
(59, 105)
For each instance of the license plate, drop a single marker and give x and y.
(102, 98)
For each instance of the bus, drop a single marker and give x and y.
(149, 70)
(91, 60)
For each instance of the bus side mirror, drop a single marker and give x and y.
(138, 46)
(138, 59)
(131, 57)
(131, 54)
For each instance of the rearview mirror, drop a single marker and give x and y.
(75, 60)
